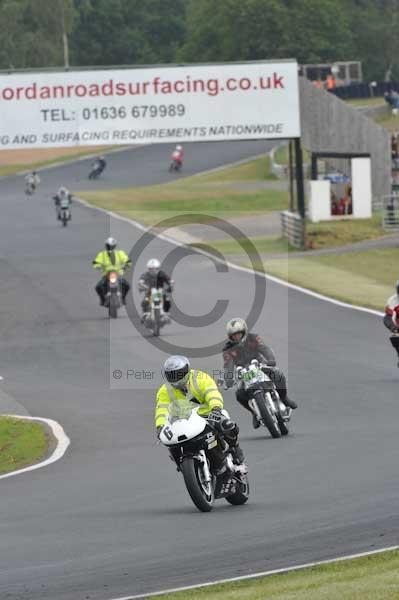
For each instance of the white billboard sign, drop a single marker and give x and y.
(234, 101)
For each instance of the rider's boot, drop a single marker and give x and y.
(290, 403)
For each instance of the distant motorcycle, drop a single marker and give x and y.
(64, 211)
(176, 163)
(204, 459)
(97, 169)
(29, 188)
(156, 317)
(265, 401)
(113, 296)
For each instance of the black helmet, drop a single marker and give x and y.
(176, 369)
(110, 243)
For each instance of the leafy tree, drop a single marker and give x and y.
(375, 25)
(126, 32)
(31, 32)
(234, 30)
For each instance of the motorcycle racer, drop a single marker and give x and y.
(240, 348)
(154, 276)
(186, 384)
(111, 259)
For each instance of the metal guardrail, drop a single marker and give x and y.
(293, 228)
(390, 218)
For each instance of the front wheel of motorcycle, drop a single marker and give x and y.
(157, 322)
(282, 425)
(241, 493)
(269, 419)
(113, 307)
(201, 492)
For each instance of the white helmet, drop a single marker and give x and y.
(177, 370)
(179, 148)
(153, 266)
(63, 191)
(237, 325)
(110, 243)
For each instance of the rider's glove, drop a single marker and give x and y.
(215, 417)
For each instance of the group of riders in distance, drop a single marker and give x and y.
(190, 418)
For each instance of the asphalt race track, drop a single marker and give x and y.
(112, 518)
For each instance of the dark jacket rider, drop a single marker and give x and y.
(240, 348)
(155, 277)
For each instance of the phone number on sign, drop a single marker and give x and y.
(135, 112)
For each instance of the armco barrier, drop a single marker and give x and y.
(391, 212)
(293, 228)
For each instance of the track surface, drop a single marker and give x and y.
(112, 518)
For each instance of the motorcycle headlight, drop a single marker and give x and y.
(113, 277)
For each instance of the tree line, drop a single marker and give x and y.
(48, 33)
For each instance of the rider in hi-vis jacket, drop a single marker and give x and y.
(185, 384)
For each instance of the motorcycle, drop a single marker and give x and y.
(156, 318)
(204, 459)
(176, 163)
(96, 170)
(29, 189)
(265, 401)
(113, 297)
(64, 212)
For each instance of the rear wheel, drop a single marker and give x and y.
(241, 493)
(269, 419)
(201, 492)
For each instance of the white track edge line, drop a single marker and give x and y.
(277, 280)
(260, 574)
(63, 442)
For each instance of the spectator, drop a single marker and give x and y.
(330, 82)
(334, 204)
(318, 84)
(392, 99)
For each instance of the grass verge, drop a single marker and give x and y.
(374, 577)
(389, 121)
(212, 193)
(264, 244)
(361, 278)
(281, 155)
(22, 443)
(375, 101)
(332, 234)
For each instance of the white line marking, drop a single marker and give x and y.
(261, 574)
(63, 442)
(277, 280)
